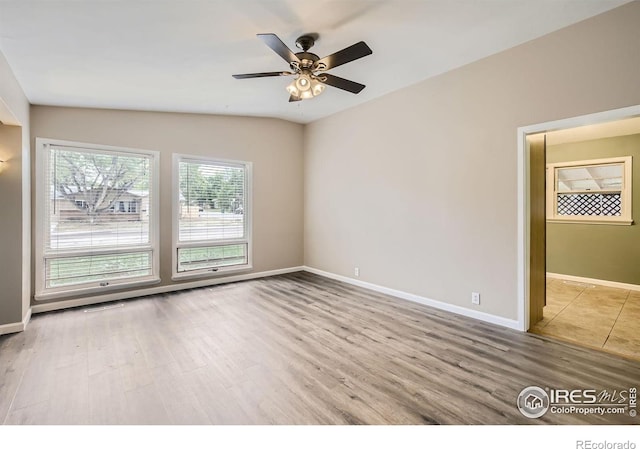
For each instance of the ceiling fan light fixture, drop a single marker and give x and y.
(303, 82)
(292, 89)
(317, 87)
(305, 87)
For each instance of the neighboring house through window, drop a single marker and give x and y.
(593, 191)
(212, 216)
(96, 215)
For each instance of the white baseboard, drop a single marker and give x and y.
(58, 305)
(12, 328)
(482, 316)
(27, 318)
(602, 282)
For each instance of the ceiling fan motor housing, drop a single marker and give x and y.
(305, 42)
(307, 60)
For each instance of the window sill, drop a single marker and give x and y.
(68, 293)
(208, 273)
(597, 221)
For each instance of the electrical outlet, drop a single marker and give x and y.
(357, 272)
(475, 298)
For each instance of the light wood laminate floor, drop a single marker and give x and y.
(592, 315)
(291, 349)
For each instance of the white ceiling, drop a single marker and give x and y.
(179, 55)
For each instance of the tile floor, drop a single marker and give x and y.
(593, 315)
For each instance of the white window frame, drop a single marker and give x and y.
(42, 159)
(247, 212)
(626, 217)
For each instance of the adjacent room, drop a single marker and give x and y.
(328, 212)
(593, 263)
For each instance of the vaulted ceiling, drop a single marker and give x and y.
(180, 55)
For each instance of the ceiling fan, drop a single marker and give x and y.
(309, 69)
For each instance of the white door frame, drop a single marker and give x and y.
(523, 201)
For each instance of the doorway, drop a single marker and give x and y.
(579, 281)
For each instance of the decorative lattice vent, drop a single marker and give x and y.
(608, 204)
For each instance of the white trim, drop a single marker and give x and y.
(7, 117)
(522, 273)
(27, 318)
(42, 158)
(121, 284)
(523, 202)
(590, 221)
(16, 327)
(11, 328)
(482, 316)
(220, 271)
(39, 308)
(602, 282)
(175, 208)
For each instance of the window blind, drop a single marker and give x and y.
(97, 210)
(212, 215)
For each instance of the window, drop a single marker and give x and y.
(83, 242)
(595, 191)
(211, 216)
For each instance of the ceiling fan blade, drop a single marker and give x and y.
(260, 75)
(341, 83)
(356, 51)
(275, 44)
(292, 98)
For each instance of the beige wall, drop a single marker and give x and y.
(274, 146)
(418, 188)
(606, 252)
(10, 225)
(14, 199)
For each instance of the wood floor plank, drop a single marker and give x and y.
(144, 406)
(15, 354)
(179, 397)
(107, 401)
